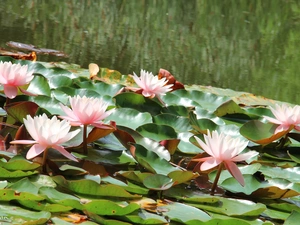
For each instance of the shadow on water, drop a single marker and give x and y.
(243, 45)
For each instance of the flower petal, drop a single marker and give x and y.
(35, 150)
(235, 172)
(64, 152)
(24, 142)
(210, 163)
(10, 91)
(244, 156)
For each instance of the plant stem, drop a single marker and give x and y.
(44, 162)
(214, 186)
(85, 151)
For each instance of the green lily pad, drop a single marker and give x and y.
(138, 102)
(92, 188)
(157, 132)
(5, 174)
(130, 117)
(109, 208)
(158, 182)
(232, 207)
(178, 123)
(39, 86)
(261, 133)
(184, 213)
(152, 162)
(19, 163)
(18, 215)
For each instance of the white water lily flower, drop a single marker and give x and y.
(86, 111)
(286, 117)
(13, 76)
(151, 85)
(47, 133)
(225, 149)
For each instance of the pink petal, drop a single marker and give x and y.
(272, 120)
(27, 92)
(297, 128)
(101, 125)
(70, 114)
(235, 172)
(10, 91)
(25, 142)
(35, 150)
(282, 127)
(204, 146)
(244, 156)
(210, 163)
(64, 152)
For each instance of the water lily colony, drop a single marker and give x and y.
(101, 147)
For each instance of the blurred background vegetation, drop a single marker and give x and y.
(246, 45)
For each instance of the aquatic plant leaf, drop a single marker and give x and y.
(144, 217)
(158, 182)
(97, 133)
(182, 176)
(39, 86)
(202, 125)
(108, 208)
(111, 157)
(293, 218)
(92, 188)
(18, 215)
(188, 98)
(231, 207)
(152, 162)
(136, 176)
(10, 194)
(101, 88)
(128, 136)
(19, 110)
(41, 206)
(183, 213)
(4, 174)
(131, 118)
(177, 110)
(202, 113)
(272, 189)
(261, 133)
(19, 163)
(48, 103)
(138, 102)
(104, 220)
(24, 185)
(59, 81)
(113, 76)
(178, 123)
(157, 132)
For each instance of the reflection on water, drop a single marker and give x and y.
(243, 45)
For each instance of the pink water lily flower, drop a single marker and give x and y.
(224, 149)
(47, 133)
(86, 111)
(151, 85)
(286, 117)
(13, 76)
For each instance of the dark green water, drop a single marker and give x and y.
(244, 45)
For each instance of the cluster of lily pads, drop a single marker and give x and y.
(146, 155)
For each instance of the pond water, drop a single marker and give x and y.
(244, 45)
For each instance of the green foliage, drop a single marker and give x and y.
(142, 173)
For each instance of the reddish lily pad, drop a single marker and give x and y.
(19, 110)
